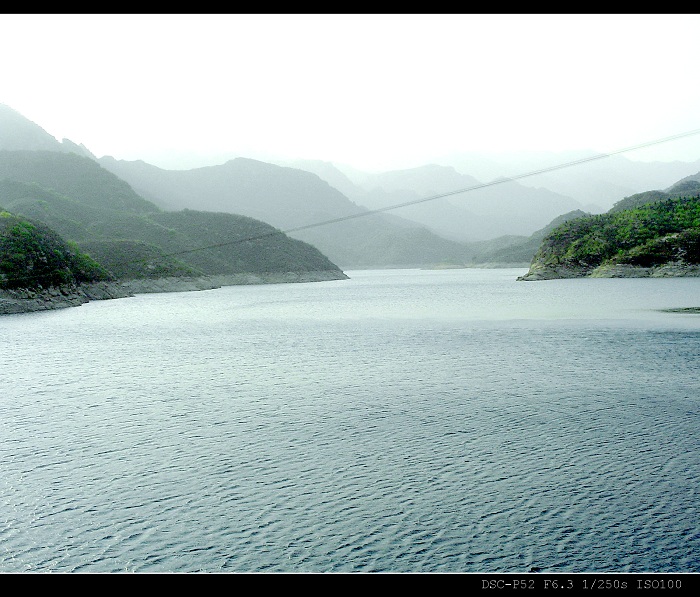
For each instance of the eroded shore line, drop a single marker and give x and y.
(539, 271)
(61, 297)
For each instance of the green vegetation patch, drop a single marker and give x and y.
(32, 255)
(131, 259)
(651, 234)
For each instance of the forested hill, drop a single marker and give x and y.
(133, 238)
(33, 255)
(656, 235)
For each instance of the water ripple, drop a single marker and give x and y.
(227, 440)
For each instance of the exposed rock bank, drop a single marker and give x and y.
(27, 301)
(667, 270)
(44, 299)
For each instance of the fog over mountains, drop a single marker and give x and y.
(331, 205)
(290, 198)
(19, 133)
(515, 207)
(480, 213)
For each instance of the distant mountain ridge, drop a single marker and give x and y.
(19, 133)
(483, 211)
(283, 197)
(596, 184)
(131, 237)
(517, 250)
(290, 199)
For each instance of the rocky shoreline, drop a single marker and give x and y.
(28, 301)
(667, 270)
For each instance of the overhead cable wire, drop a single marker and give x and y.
(446, 194)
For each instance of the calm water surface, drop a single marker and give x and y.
(399, 421)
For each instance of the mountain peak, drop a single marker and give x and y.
(18, 133)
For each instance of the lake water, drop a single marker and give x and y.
(399, 421)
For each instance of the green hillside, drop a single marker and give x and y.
(34, 255)
(650, 234)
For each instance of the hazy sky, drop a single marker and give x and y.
(372, 91)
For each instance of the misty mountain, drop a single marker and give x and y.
(331, 206)
(595, 184)
(286, 198)
(681, 184)
(690, 185)
(481, 212)
(330, 173)
(131, 236)
(517, 251)
(283, 197)
(291, 199)
(18, 133)
(73, 176)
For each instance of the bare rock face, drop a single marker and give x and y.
(539, 271)
(57, 297)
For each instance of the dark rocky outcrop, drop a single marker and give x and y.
(24, 300)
